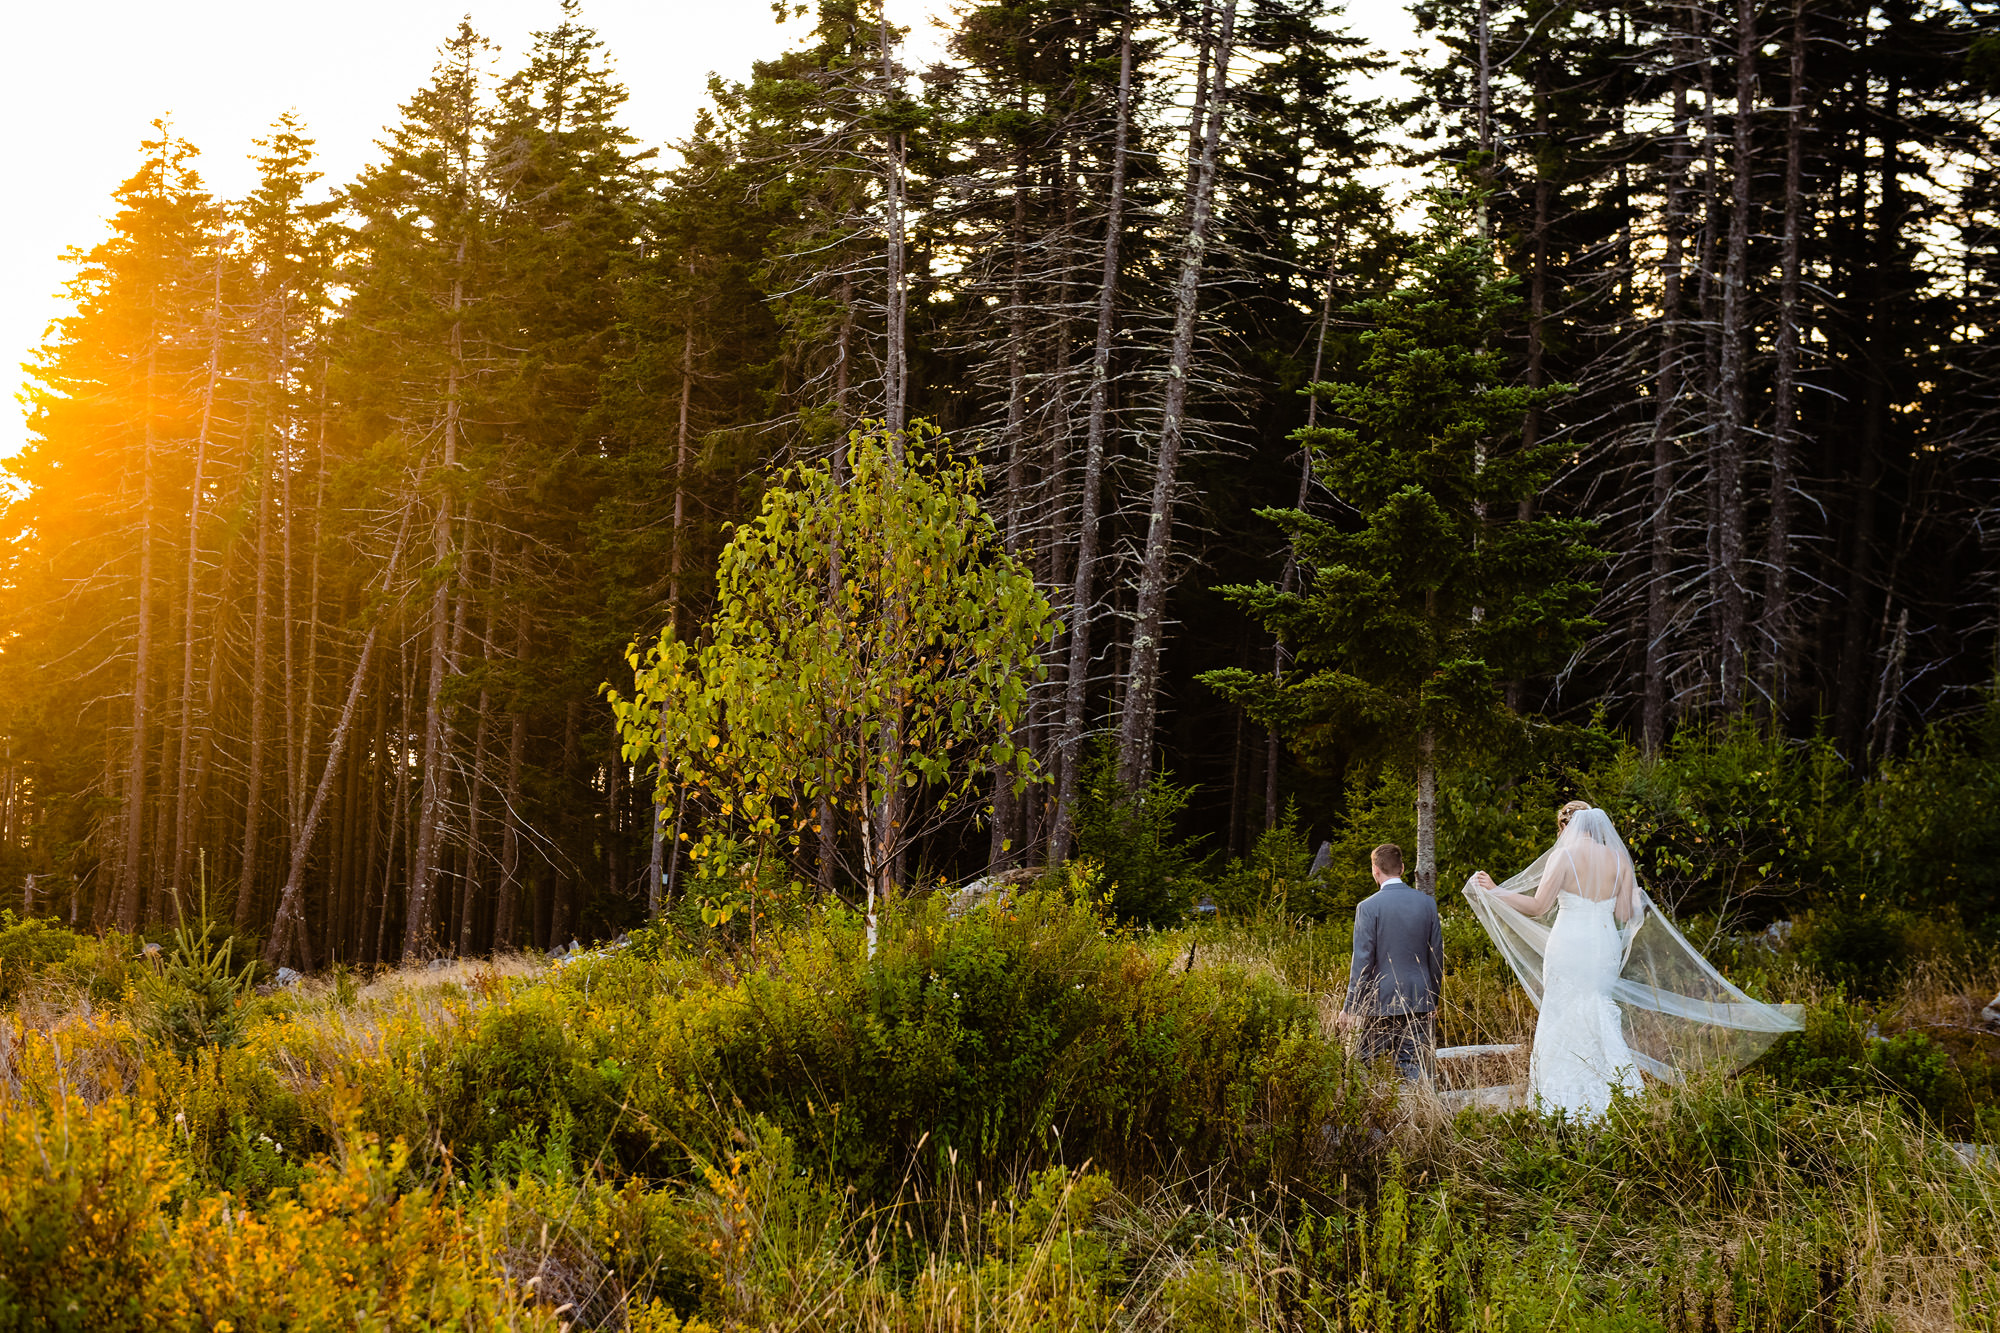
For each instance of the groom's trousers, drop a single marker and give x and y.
(1410, 1040)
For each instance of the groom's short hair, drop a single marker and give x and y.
(1388, 859)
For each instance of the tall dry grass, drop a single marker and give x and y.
(1727, 1203)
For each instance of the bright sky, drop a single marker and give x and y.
(87, 77)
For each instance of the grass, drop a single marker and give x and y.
(1023, 1120)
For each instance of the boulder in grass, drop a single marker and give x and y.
(995, 890)
(1991, 1013)
(288, 977)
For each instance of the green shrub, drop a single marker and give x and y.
(237, 1127)
(1276, 879)
(82, 1189)
(194, 996)
(509, 1083)
(1929, 836)
(1731, 820)
(1001, 1041)
(1839, 1055)
(28, 948)
(1864, 949)
(104, 967)
(1154, 875)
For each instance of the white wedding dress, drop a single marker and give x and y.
(1621, 993)
(1580, 1054)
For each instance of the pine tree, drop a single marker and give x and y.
(1419, 606)
(116, 413)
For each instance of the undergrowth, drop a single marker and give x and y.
(1028, 1118)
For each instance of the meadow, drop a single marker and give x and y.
(1025, 1117)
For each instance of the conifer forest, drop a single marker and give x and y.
(819, 726)
(341, 509)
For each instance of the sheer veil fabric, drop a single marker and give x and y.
(1678, 1012)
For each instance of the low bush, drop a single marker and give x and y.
(1004, 1040)
(82, 1189)
(1154, 875)
(194, 996)
(28, 948)
(350, 1247)
(1841, 1054)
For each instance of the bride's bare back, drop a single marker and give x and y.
(1592, 870)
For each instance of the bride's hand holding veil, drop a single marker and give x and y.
(1678, 1011)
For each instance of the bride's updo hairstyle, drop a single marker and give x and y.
(1563, 815)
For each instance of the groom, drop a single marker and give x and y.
(1398, 969)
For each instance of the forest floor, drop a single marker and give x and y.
(1022, 1119)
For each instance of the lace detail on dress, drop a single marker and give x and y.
(1580, 1053)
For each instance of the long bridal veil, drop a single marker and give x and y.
(1679, 1012)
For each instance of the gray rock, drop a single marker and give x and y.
(1991, 1013)
(1323, 859)
(996, 890)
(288, 977)
(1977, 1155)
(1775, 936)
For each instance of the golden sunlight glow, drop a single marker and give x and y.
(94, 75)
(90, 77)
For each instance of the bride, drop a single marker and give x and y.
(1620, 991)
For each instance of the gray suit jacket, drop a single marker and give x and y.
(1398, 963)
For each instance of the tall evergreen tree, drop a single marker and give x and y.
(1418, 608)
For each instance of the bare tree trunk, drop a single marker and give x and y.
(1083, 592)
(129, 870)
(260, 635)
(1728, 461)
(1427, 794)
(896, 355)
(369, 903)
(562, 902)
(829, 831)
(1882, 284)
(655, 869)
(1707, 279)
(1288, 581)
(1666, 406)
(211, 704)
(676, 558)
(183, 806)
(475, 809)
(417, 924)
(288, 931)
(9, 809)
(1003, 847)
(309, 704)
(400, 800)
(375, 892)
(1149, 625)
(1778, 628)
(337, 897)
(1205, 48)
(505, 932)
(1538, 310)
(614, 822)
(294, 758)
(1889, 697)
(452, 872)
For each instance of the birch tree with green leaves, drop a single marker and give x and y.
(872, 637)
